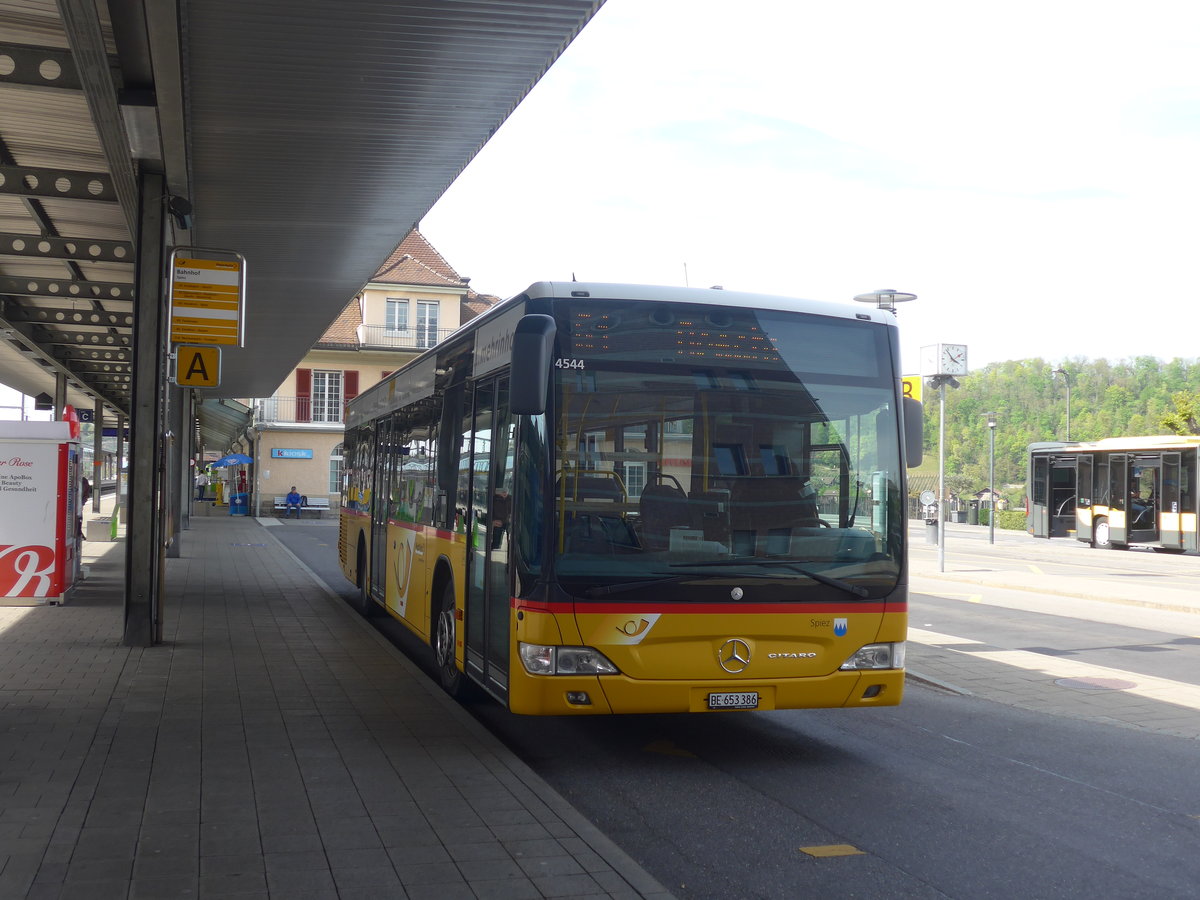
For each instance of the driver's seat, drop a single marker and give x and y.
(661, 508)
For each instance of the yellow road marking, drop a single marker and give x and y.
(666, 748)
(832, 850)
(1035, 570)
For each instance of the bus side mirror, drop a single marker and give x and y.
(532, 348)
(914, 427)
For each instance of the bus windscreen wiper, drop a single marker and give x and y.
(634, 585)
(653, 582)
(794, 566)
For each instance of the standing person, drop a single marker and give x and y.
(85, 494)
(501, 511)
(201, 483)
(293, 502)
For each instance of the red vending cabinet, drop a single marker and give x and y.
(39, 512)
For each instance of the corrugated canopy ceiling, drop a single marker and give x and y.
(308, 136)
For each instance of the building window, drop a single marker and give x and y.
(326, 396)
(427, 322)
(396, 314)
(635, 479)
(335, 470)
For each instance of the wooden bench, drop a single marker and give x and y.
(318, 504)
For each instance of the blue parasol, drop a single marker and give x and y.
(233, 459)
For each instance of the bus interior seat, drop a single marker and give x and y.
(661, 508)
(589, 487)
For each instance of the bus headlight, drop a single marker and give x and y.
(545, 659)
(877, 656)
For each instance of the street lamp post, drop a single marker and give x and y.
(885, 298)
(1067, 379)
(991, 421)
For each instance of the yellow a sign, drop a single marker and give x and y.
(911, 385)
(197, 366)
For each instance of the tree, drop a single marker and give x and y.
(1185, 418)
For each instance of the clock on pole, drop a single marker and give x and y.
(944, 359)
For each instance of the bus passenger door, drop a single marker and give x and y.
(384, 451)
(1170, 533)
(1084, 495)
(1062, 495)
(1039, 497)
(1118, 498)
(488, 596)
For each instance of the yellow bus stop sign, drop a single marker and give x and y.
(197, 366)
(912, 386)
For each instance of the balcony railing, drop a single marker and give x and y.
(274, 410)
(401, 338)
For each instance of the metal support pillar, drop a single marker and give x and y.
(97, 454)
(190, 460)
(60, 396)
(941, 554)
(122, 475)
(177, 469)
(145, 513)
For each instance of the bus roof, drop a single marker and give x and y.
(715, 296)
(418, 374)
(1148, 442)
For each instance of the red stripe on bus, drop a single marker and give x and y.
(585, 606)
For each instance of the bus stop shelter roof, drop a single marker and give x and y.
(308, 136)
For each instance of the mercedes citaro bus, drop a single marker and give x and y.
(608, 498)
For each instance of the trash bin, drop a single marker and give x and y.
(931, 533)
(973, 513)
(960, 516)
(239, 504)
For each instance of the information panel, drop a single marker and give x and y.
(207, 294)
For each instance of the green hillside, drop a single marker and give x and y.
(1129, 397)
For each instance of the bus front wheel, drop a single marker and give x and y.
(445, 633)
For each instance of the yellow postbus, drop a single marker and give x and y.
(1115, 492)
(602, 498)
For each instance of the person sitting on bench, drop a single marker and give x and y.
(293, 502)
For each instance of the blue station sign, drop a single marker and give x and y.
(290, 453)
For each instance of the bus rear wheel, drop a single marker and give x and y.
(363, 602)
(445, 633)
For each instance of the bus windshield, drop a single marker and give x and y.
(702, 445)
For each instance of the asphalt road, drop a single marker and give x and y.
(948, 795)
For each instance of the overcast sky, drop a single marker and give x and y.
(1029, 169)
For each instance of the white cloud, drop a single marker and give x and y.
(1028, 169)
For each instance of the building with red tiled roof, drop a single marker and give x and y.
(414, 301)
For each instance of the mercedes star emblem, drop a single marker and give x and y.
(734, 655)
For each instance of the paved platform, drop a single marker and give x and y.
(273, 746)
(1058, 684)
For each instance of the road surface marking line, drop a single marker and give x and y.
(833, 850)
(1178, 693)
